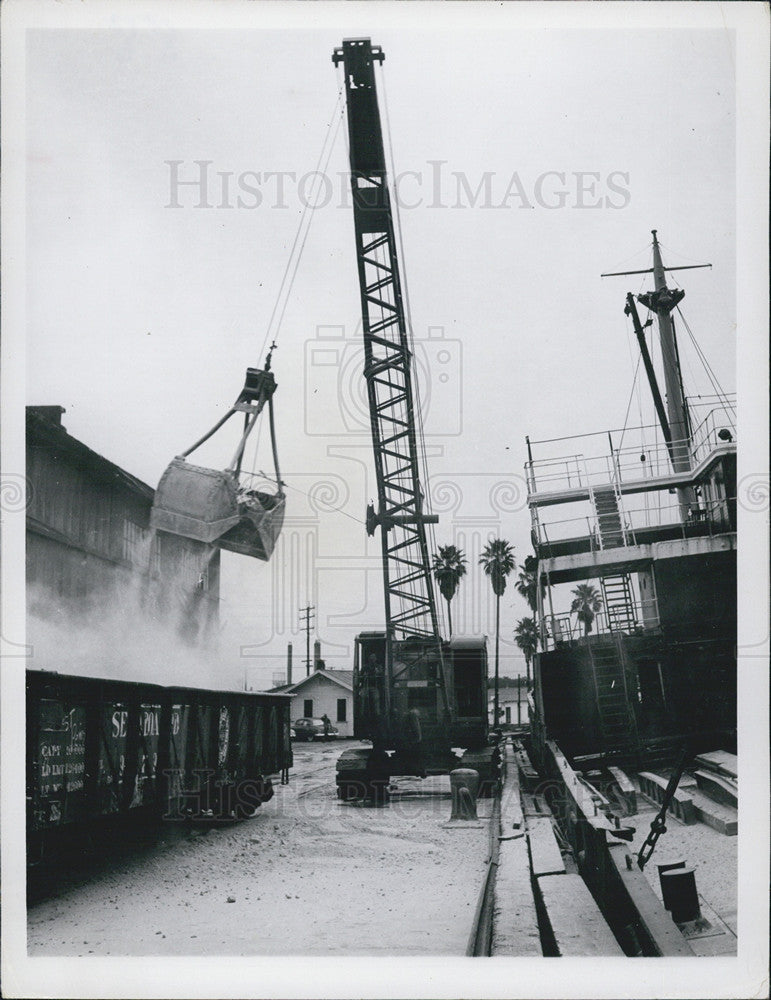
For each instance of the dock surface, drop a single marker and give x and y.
(308, 875)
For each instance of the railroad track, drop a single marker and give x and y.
(480, 938)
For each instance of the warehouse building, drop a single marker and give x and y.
(88, 537)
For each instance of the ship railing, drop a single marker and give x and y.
(549, 535)
(704, 518)
(558, 631)
(659, 510)
(623, 463)
(717, 428)
(582, 472)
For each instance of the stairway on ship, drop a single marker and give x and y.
(608, 510)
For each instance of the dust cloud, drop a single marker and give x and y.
(160, 629)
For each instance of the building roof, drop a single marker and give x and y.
(342, 677)
(44, 426)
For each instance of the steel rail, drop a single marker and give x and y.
(480, 938)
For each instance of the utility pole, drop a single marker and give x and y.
(306, 622)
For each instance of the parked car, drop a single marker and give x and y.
(313, 729)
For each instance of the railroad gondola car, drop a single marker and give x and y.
(103, 751)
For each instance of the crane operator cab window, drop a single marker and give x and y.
(470, 675)
(369, 678)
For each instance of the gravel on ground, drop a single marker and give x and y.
(308, 875)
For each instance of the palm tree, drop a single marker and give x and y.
(526, 637)
(449, 567)
(586, 603)
(498, 561)
(527, 585)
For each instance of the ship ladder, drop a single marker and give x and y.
(618, 601)
(617, 722)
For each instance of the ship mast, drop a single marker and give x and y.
(662, 300)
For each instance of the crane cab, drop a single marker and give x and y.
(381, 704)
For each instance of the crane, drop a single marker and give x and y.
(416, 697)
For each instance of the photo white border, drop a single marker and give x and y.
(743, 976)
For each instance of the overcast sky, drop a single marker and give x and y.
(140, 318)
(531, 159)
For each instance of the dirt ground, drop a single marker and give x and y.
(308, 875)
(715, 858)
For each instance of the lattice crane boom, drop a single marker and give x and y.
(409, 593)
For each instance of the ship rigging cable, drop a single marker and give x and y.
(635, 382)
(626, 260)
(722, 396)
(629, 404)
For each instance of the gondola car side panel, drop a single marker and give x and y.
(98, 748)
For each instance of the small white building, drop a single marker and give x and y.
(512, 704)
(325, 692)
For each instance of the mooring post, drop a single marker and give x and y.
(464, 786)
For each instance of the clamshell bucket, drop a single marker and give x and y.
(195, 502)
(261, 516)
(212, 505)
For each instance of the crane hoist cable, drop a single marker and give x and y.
(222, 507)
(309, 215)
(300, 238)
